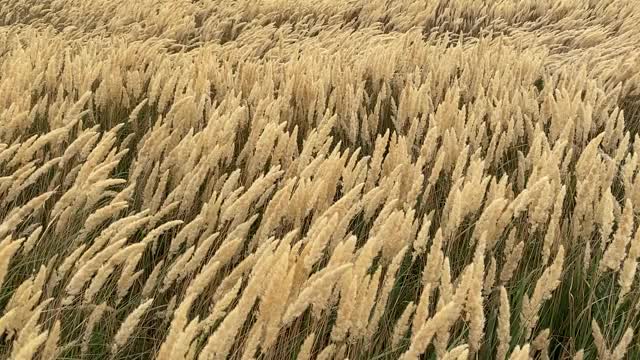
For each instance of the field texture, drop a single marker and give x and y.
(298, 179)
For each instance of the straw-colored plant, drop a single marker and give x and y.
(323, 179)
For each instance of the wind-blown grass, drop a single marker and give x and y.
(282, 179)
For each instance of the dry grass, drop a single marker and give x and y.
(286, 179)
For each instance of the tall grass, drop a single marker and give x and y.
(281, 179)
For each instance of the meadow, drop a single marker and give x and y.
(297, 179)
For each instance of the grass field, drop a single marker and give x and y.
(297, 179)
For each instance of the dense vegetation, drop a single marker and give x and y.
(297, 179)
